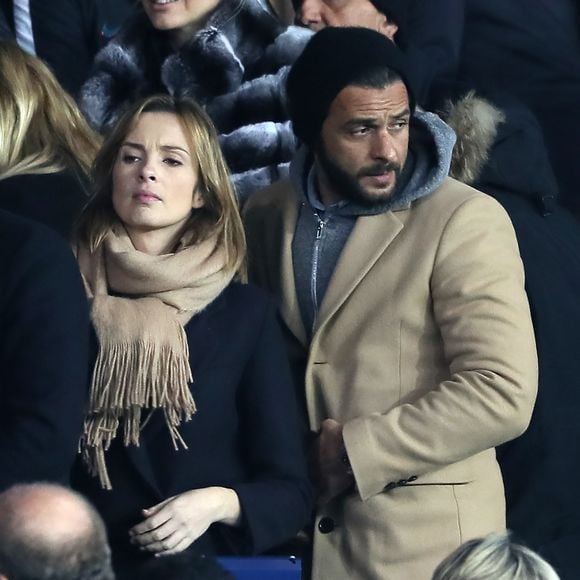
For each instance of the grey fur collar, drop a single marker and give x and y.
(475, 122)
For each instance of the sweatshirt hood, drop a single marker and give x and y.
(431, 144)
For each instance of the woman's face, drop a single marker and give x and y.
(176, 14)
(155, 179)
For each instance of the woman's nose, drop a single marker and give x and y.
(148, 173)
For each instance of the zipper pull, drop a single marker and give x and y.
(319, 228)
(320, 225)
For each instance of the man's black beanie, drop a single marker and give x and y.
(333, 59)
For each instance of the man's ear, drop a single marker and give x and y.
(2, 577)
(389, 29)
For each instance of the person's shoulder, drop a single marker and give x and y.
(452, 195)
(249, 296)
(23, 239)
(248, 303)
(19, 229)
(64, 181)
(455, 203)
(270, 198)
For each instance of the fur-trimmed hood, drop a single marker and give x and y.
(235, 66)
(499, 147)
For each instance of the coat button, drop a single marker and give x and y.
(326, 525)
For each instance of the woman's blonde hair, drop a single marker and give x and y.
(494, 557)
(219, 214)
(41, 127)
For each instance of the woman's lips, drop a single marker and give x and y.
(146, 197)
(160, 6)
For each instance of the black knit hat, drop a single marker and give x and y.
(333, 59)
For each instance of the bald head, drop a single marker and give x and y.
(48, 531)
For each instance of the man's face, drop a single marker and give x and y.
(318, 14)
(363, 144)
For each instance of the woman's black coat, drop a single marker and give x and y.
(246, 435)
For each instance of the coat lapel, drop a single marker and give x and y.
(139, 457)
(289, 308)
(369, 239)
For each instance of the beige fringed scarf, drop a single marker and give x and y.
(143, 358)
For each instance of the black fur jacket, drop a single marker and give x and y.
(235, 66)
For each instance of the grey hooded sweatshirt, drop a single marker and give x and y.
(322, 231)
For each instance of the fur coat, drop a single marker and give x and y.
(235, 66)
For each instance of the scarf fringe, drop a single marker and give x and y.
(127, 379)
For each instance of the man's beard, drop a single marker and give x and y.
(348, 186)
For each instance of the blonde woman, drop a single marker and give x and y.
(46, 146)
(192, 434)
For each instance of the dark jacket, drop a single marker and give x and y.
(44, 333)
(246, 435)
(432, 41)
(541, 469)
(235, 66)
(531, 49)
(5, 31)
(67, 35)
(54, 199)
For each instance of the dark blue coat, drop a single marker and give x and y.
(531, 49)
(541, 469)
(44, 335)
(54, 199)
(67, 35)
(246, 435)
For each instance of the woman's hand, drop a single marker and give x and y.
(174, 524)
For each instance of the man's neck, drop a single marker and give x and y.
(325, 192)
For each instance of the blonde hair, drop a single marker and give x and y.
(219, 214)
(494, 557)
(41, 127)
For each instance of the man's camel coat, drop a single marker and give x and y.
(424, 350)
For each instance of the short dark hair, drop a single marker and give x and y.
(376, 78)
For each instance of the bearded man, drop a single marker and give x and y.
(405, 311)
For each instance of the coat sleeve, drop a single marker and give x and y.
(44, 363)
(277, 499)
(480, 307)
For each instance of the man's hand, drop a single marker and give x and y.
(174, 524)
(331, 473)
